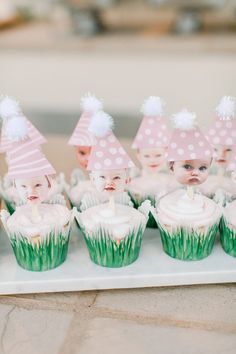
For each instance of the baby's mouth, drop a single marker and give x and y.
(194, 180)
(221, 161)
(154, 165)
(109, 189)
(32, 198)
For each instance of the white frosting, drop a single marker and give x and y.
(230, 213)
(148, 185)
(178, 209)
(52, 217)
(119, 225)
(213, 182)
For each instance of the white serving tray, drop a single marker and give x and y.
(153, 268)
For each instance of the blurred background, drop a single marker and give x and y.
(54, 51)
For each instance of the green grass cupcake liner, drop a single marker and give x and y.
(10, 206)
(151, 224)
(107, 252)
(228, 238)
(187, 244)
(40, 255)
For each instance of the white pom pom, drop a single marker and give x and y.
(153, 106)
(226, 108)
(184, 120)
(90, 103)
(9, 108)
(101, 124)
(16, 129)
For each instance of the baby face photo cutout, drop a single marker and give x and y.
(34, 190)
(82, 154)
(189, 152)
(222, 154)
(152, 160)
(110, 181)
(191, 172)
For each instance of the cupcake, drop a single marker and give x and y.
(113, 232)
(151, 143)
(222, 137)
(82, 140)
(228, 222)
(38, 232)
(188, 221)
(11, 114)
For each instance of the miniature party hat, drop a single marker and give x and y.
(24, 157)
(107, 153)
(11, 113)
(187, 141)
(81, 135)
(223, 129)
(153, 131)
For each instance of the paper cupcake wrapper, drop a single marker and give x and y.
(137, 201)
(108, 252)
(10, 206)
(39, 253)
(188, 244)
(228, 237)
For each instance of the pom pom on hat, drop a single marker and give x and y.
(101, 124)
(9, 107)
(16, 129)
(184, 120)
(153, 106)
(226, 107)
(90, 103)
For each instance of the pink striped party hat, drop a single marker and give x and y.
(26, 160)
(153, 131)
(187, 141)
(10, 112)
(222, 131)
(107, 152)
(81, 135)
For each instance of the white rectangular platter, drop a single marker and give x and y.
(153, 268)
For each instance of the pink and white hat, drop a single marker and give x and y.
(187, 141)
(223, 129)
(153, 131)
(107, 153)
(11, 113)
(27, 163)
(81, 135)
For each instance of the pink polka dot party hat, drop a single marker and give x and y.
(187, 141)
(81, 135)
(223, 128)
(11, 114)
(107, 152)
(153, 131)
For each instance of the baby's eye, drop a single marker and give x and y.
(82, 153)
(147, 156)
(202, 168)
(23, 186)
(158, 155)
(38, 185)
(102, 177)
(228, 150)
(116, 178)
(187, 167)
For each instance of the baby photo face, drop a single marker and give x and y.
(222, 155)
(112, 181)
(83, 153)
(34, 190)
(152, 159)
(191, 172)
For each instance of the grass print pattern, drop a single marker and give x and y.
(10, 206)
(227, 238)
(151, 224)
(45, 255)
(107, 252)
(187, 244)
